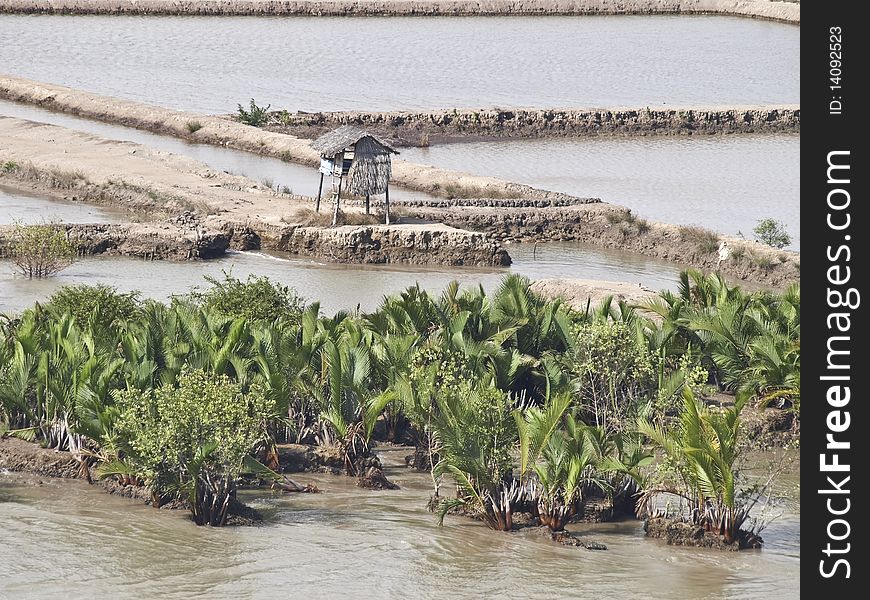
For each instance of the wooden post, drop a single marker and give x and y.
(387, 204)
(337, 203)
(319, 191)
(367, 204)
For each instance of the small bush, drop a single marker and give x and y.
(41, 250)
(254, 116)
(255, 299)
(705, 240)
(772, 233)
(194, 126)
(285, 118)
(104, 303)
(193, 438)
(762, 262)
(286, 190)
(10, 166)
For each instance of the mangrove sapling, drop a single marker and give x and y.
(100, 305)
(255, 299)
(772, 232)
(40, 251)
(613, 374)
(255, 116)
(192, 440)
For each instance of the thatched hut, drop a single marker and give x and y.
(359, 157)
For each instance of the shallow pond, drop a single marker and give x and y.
(726, 183)
(395, 63)
(18, 206)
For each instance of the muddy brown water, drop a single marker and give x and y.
(66, 539)
(392, 63)
(337, 286)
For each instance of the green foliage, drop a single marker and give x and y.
(41, 250)
(101, 303)
(772, 233)
(255, 299)
(520, 401)
(285, 118)
(614, 374)
(476, 434)
(255, 116)
(702, 450)
(193, 439)
(193, 126)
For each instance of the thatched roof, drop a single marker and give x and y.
(335, 141)
(371, 169)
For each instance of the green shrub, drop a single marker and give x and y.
(41, 250)
(194, 126)
(105, 303)
(256, 299)
(285, 118)
(256, 116)
(772, 233)
(192, 440)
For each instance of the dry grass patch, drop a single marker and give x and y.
(308, 218)
(705, 240)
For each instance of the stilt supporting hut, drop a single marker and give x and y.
(356, 161)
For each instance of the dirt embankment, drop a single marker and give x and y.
(221, 131)
(188, 210)
(612, 226)
(20, 456)
(431, 127)
(253, 217)
(788, 12)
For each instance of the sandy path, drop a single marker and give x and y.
(765, 9)
(577, 292)
(172, 181)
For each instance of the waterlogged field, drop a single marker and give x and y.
(211, 65)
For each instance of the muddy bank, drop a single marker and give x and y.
(221, 131)
(788, 12)
(581, 294)
(612, 226)
(150, 241)
(423, 128)
(191, 211)
(680, 533)
(257, 218)
(424, 244)
(19, 456)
